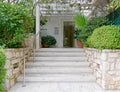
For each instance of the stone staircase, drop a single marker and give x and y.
(58, 65)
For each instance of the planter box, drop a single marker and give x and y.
(106, 67)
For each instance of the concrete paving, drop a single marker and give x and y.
(59, 87)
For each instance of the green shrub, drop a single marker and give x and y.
(80, 20)
(105, 37)
(92, 24)
(2, 70)
(15, 23)
(1, 88)
(96, 22)
(2, 58)
(48, 40)
(86, 27)
(2, 75)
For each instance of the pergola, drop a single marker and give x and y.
(67, 7)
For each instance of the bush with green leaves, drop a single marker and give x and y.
(86, 26)
(2, 70)
(93, 23)
(48, 40)
(15, 23)
(105, 37)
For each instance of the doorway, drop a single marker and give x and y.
(68, 34)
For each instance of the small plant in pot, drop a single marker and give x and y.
(48, 41)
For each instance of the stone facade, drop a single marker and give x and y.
(15, 62)
(106, 67)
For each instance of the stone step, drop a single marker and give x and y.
(61, 70)
(58, 78)
(57, 61)
(59, 58)
(57, 64)
(57, 74)
(44, 54)
(60, 49)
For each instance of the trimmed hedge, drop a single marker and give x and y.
(105, 37)
(2, 69)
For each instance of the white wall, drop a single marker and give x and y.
(56, 22)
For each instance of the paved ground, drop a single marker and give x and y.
(59, 87)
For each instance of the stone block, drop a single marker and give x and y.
(112, 66)
(105, 66)
(98, 75)
(9, 72)
(95, 65)
(7, 84)
(17, 60)
(8, 64)
(12, 82)
(113, 55)
(103, 56)
(117, 65)
(98, 61)
(99, 81)
(17, 70)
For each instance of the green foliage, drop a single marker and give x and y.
(76, 33)
(92, 24)
(2, 75)
(2, 58)
(1, 88)
(49, 40)
(80, 20)
(114, 4)
(80, 23)
(96, 22)
(15, 23)
(2, 70)
(105, 37)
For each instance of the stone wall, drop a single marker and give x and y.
(106, 67)
(15, 61)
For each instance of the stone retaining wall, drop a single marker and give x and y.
(15, 62)
(106, 67)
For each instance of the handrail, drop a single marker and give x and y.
(24, 53)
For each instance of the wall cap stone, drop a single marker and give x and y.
(104, 50)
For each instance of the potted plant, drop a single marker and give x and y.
(48, 41)
(80, 22)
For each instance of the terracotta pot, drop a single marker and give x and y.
(45, 46)
(79, 43)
